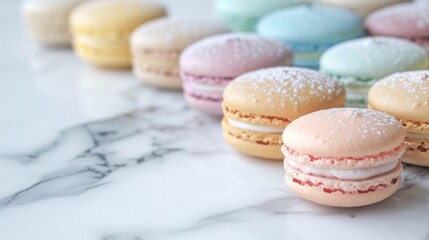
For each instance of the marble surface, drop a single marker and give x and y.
(91, 154)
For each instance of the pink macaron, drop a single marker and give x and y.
(344, 157)
(404, 20)
(208, 65)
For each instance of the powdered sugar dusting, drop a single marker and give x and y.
(295, 85)
(414, 84)
(368, 123)
(373, 57)
(168, 31)
(405, 14)
(241, 46)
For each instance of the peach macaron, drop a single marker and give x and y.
(406, 96)
(260, 104)
(344, 157)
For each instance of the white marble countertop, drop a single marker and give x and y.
(90, 154)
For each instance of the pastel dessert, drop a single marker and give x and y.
(344, 157)
(359, 63)
(242, 15)
(310, 29)
(406, 97)
(208, 65)
(47, 20)
(406, 20)
(102, 28)
(362, 7)
(260, 104)
(157, 45)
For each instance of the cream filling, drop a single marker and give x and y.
(207, 87)
(417, 136)
(254, 127)
(345, 174)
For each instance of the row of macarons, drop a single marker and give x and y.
(243, 15)
(114, 33)
(333, 155)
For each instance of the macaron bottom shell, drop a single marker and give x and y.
(56, 39)
(106, 57)
(204, 93)
(417, 152)
(50, 35)
(338, 199)
(263, 145)
(157, 68)
(158, 80)
(206, 105)
(417, 158)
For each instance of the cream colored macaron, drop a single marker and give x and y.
(47, 20)
(406, 96)
(157, 45)
(260, 104)
(102, 28)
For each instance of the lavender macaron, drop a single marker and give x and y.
(208, 65)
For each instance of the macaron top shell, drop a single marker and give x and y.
(344, 132)
(403, 95)
(405, 20)
(230, 55)
(373, 57)
(173, 34)
(115, 14)
(252, 7)
(284, 92)
(362, 7)
(311, 23)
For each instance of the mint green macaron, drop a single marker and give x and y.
(359, 63)
(242, 15)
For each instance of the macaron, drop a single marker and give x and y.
(344, 157)
(47, 20)
(102, 28)
(208, 65)
(242, 15)
(157, 45)
(362, 7)
(406, 20)
(359, 63)
(310, 29)
(260, 104)
(406, 97)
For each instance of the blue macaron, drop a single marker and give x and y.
(310, 29)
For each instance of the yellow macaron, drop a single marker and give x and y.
(259, 105)
(406, 96)
(101, 29)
